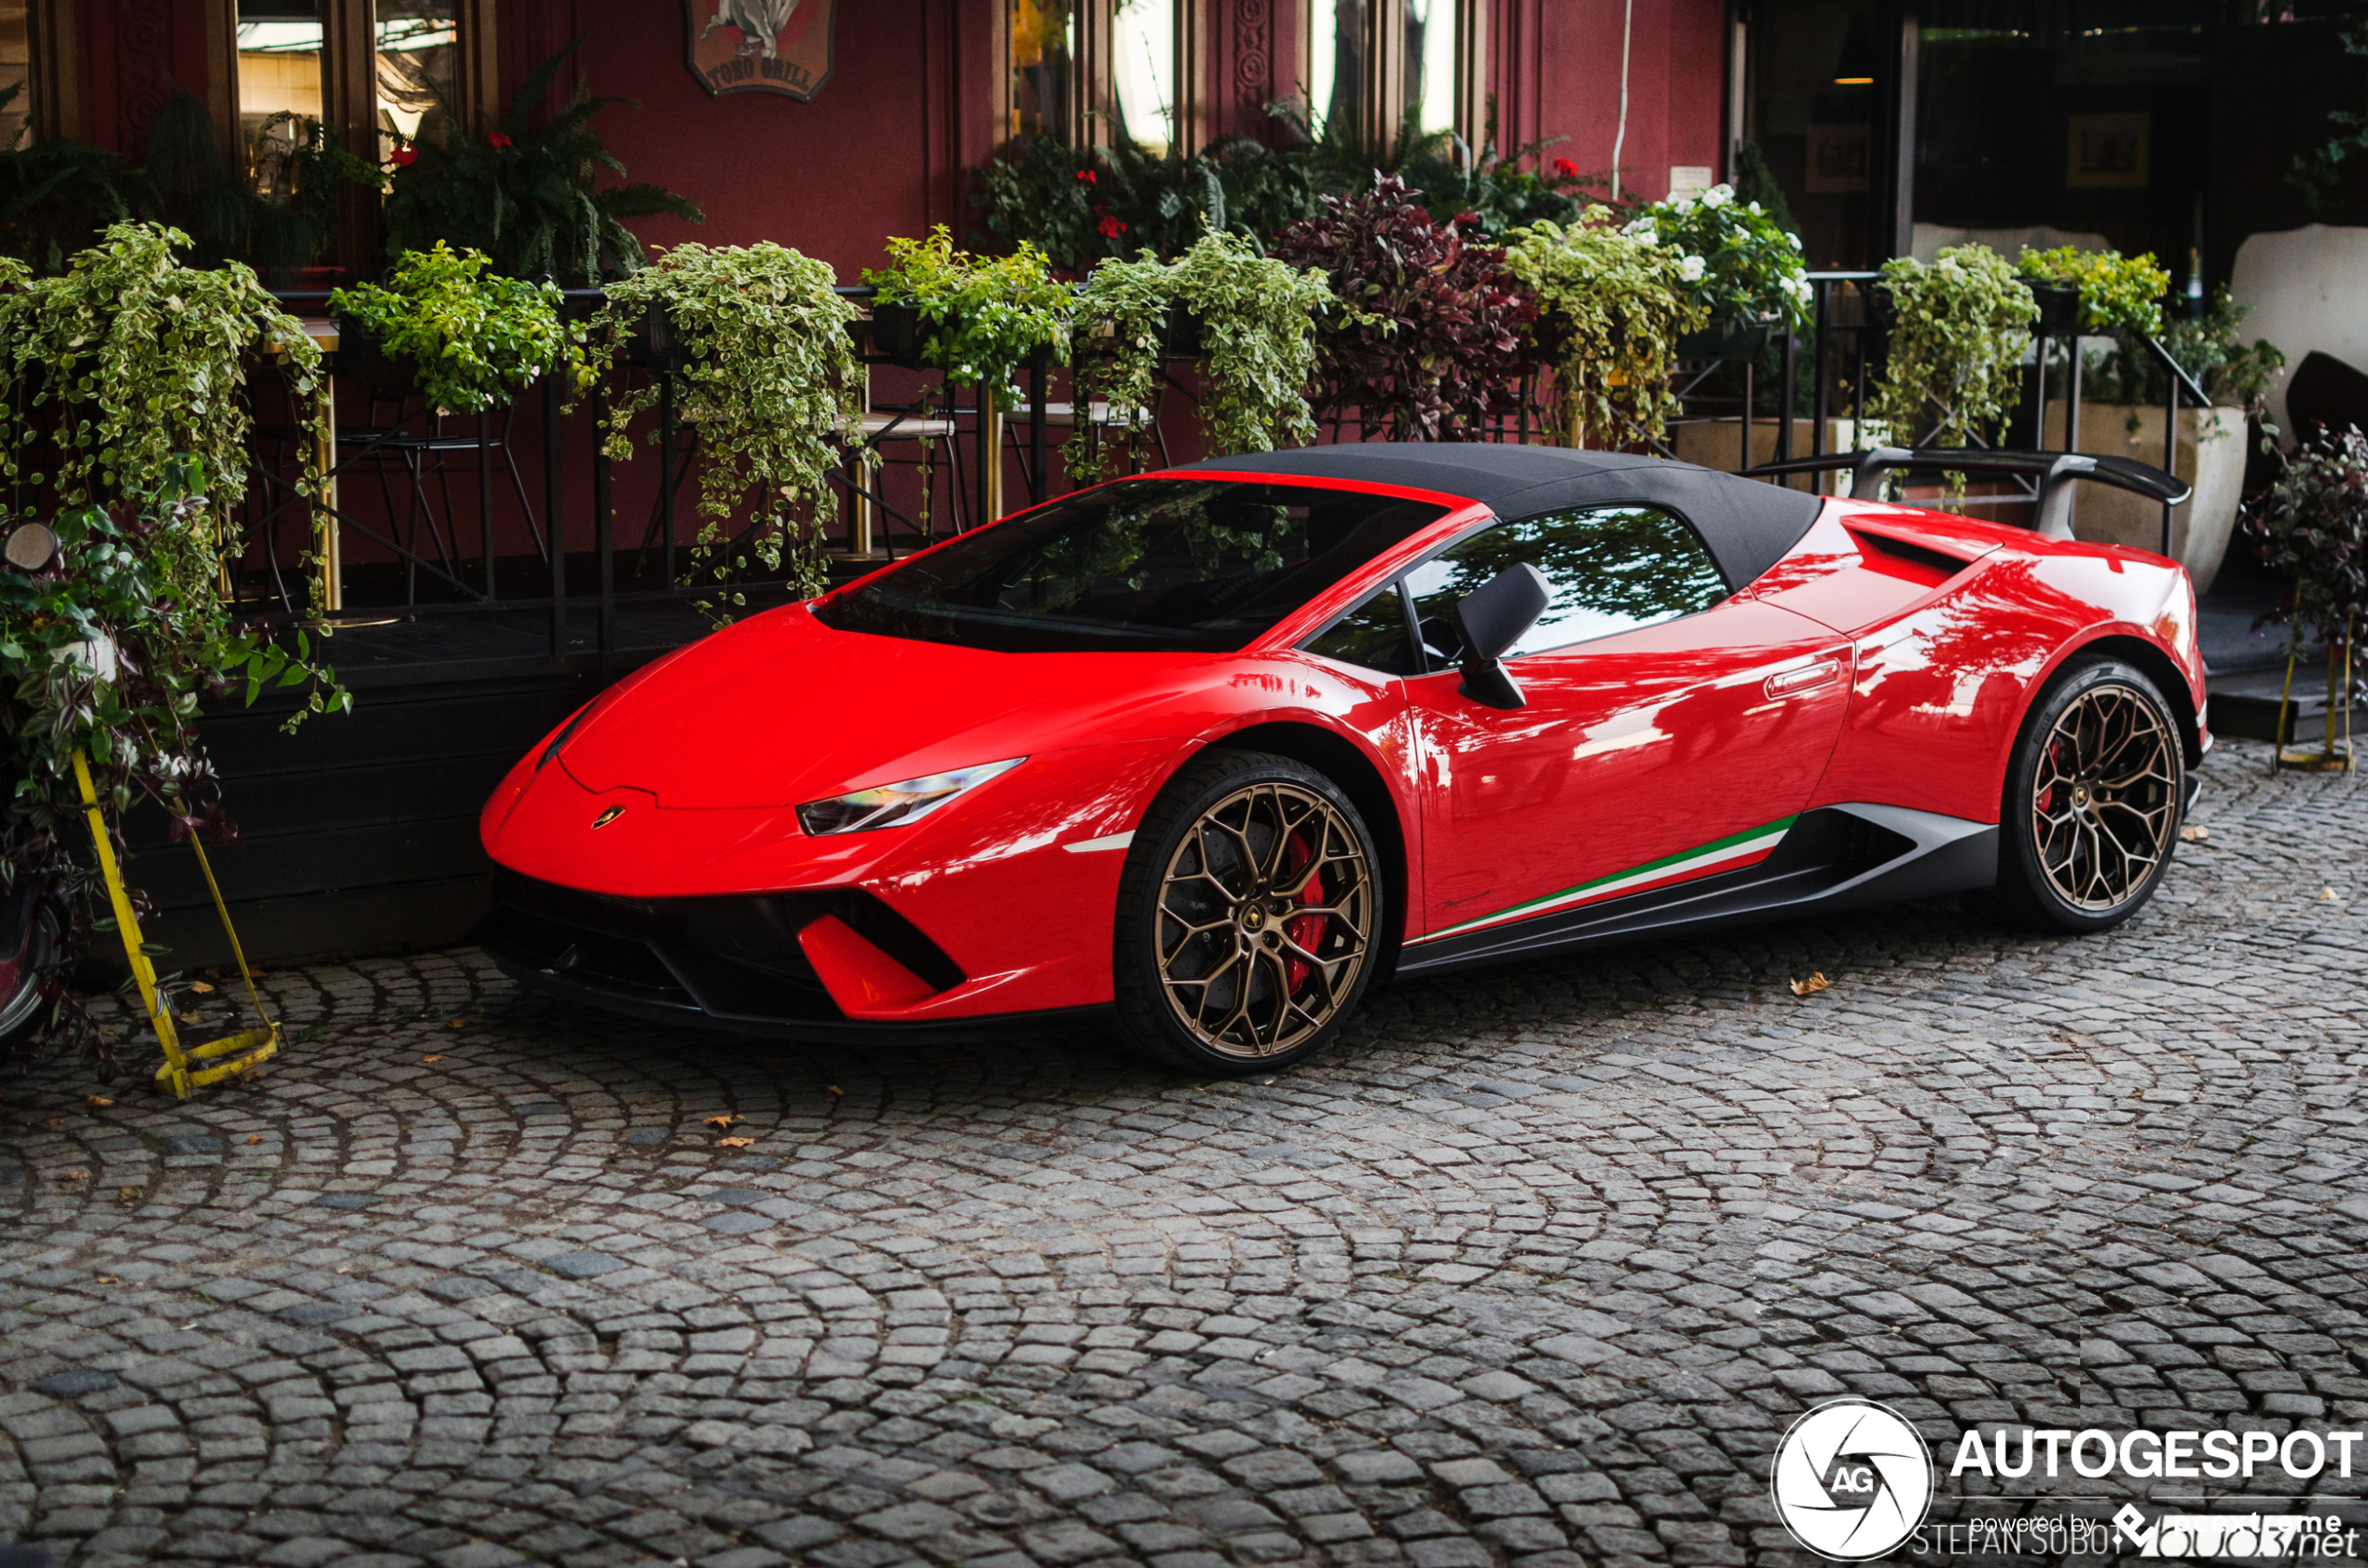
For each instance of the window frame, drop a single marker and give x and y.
(1093, 79)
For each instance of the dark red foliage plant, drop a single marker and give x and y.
(1431, 345)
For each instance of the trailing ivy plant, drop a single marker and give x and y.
(1429, 341)
(1612, 302)
(536, 202)
(771, 380)
(474, 342)
(1257, 317)
(2234, 374)
(1737, 261)
(2117, 293)
(1955, 364)
(982, 316)
(124, 386)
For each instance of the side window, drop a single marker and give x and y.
(1372, 635)
(1612, 568)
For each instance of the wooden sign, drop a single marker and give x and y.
(761, 46)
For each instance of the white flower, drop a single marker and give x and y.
(1718, 196)
(1793, 238)
(1643, 228)
(1691, 268)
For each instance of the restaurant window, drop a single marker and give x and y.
(1377, 67)
(1094, 71)
(280, 84)
(1042, 80)
(1338, 43)
(418, 57)
(1143, 73)
(16, 74)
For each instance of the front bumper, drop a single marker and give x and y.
(732, 963)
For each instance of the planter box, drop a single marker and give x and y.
(895, 331)
(1725, 342)
(1718, 443)
(2212, 458)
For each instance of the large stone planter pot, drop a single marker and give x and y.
(2212, 458)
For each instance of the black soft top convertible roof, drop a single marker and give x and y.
(1748, 525)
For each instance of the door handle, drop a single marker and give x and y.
(1802, 679)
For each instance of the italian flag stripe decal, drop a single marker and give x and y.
(1752, 844)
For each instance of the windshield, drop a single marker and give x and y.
(1161, 565)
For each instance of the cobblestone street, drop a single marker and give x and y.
(1535, 1273)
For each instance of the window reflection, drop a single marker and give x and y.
(1043, 52)
(1143, 73)
(1430, 64)
(1336, 65)
(15, 71)
(278, 84)
(1611, 570)
(418, 61)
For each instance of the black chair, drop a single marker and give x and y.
(2326, 395)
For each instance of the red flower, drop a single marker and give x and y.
(1085, 176)
(1566, 169)
(1112, 229)
(403, 157)
(497, 140)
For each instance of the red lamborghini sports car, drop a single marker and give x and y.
(1214, 749)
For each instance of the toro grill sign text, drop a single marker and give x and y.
(761, 46)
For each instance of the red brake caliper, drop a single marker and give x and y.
(1305, 930)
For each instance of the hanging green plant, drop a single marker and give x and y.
(2117, 291)
(771, 380)
(1954, 368)
(1612, 303)
(982, 316)
(124, 385)
(1121, 325)
(474, 342)
(1737, 261)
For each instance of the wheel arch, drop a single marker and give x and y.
(1346, 764)
(2157, 666)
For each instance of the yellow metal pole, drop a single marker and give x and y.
(127, 925)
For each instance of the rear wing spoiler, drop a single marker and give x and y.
(2050, 472)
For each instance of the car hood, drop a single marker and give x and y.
(781, 709)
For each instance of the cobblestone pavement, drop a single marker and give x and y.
(1536, 1274)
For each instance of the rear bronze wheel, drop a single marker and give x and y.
(2093, 801)
(1248, 916)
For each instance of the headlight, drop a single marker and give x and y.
(891, 805)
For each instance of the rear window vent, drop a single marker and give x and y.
(1924, 556)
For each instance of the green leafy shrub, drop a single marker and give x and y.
(2117, 291)
(982, 316)
(124, 384)
(1612, 303)
(1954, 367)
(2234, 374)
(770, 379)
(474, 342)
(1735, 260)
(2312, 525)
(535, 204)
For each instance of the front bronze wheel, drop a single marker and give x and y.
(1248, 916)
(2093, 801)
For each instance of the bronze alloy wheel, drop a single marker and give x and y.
(2104, 799)
(1265, 920)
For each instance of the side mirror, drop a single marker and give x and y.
(1491, 619)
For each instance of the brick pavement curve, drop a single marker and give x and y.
(1535, 1273)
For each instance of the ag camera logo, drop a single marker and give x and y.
(1852, 1479)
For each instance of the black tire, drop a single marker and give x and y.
(2095, 791)
(1214, 970)
(26, 1006)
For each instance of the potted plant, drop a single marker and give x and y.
(1737, 263)
(769, 376)
(117, 634)
(976, 318)
(1958, 332)
(2313, 524)
(1250, 318)
(1613, 303)
(1429, 344)
(470, 342)
(534, 201)
(2125, 397)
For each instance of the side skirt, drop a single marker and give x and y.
(1835, 858)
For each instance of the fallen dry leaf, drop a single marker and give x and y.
(2194, 836)
(55, 1122)
(202, 988)
(1811, 986)
(347, 1269)
(73, 1175)
(97, 1102)
(720, 1122)
(736, 1143)
(129, 1194)
(835, 1089)
(457, 1024)
(2326, 895)
(107, 1279)
(254, 1137)
(433, 1056)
